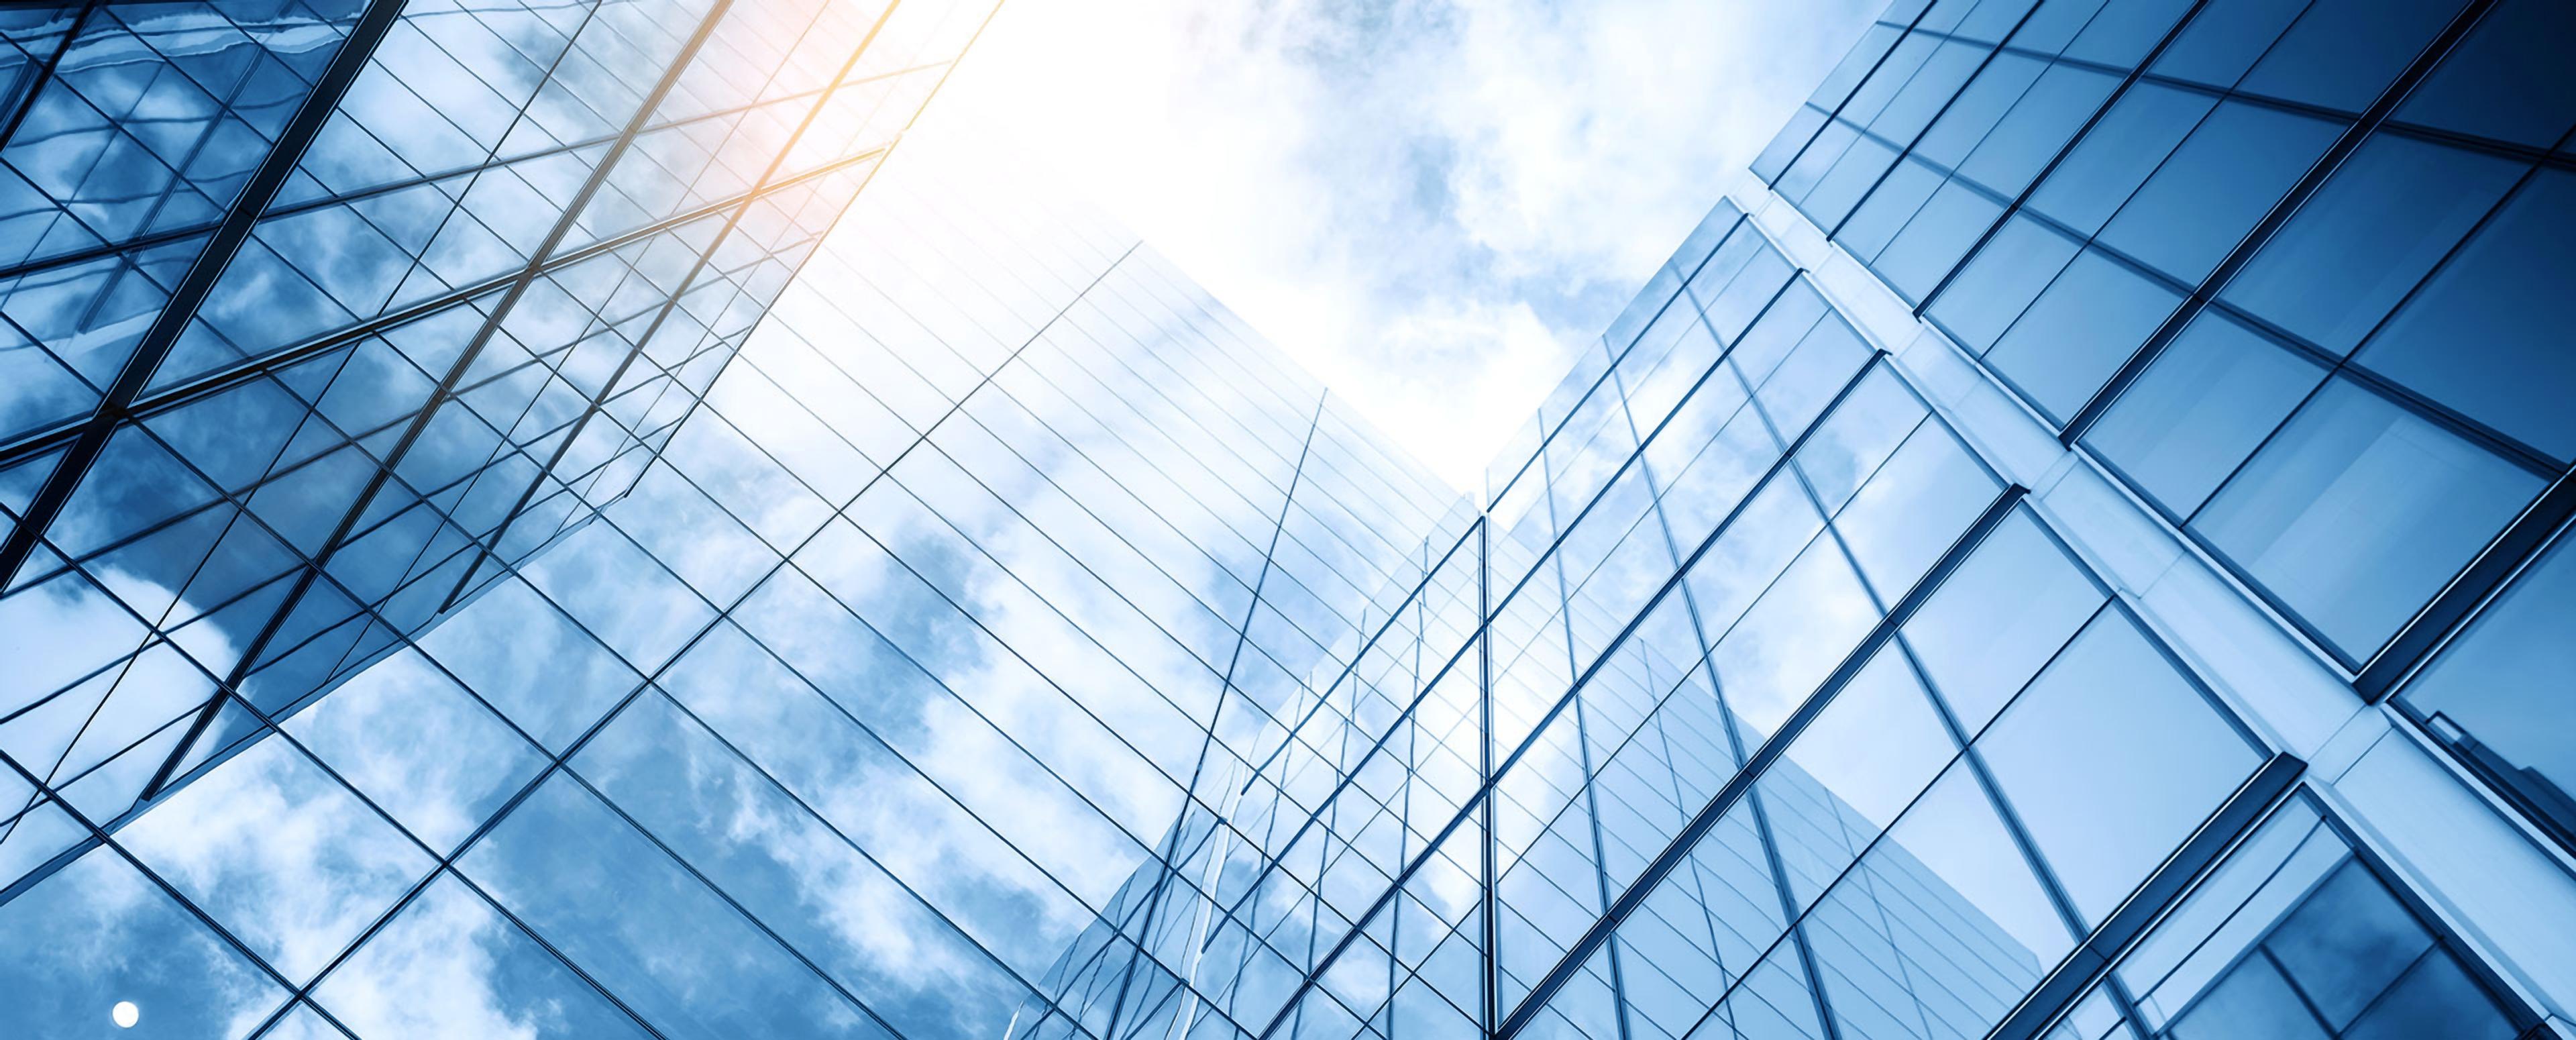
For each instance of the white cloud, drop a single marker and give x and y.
(1429, 203)
(286, 858)
(432, 973)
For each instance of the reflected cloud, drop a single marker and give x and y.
(98, 932)
(1429, 203)
(279, 853)
(451, 967)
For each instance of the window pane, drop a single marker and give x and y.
(2253, 1003)
(621, 593)
(449, 965)
(2435, 998)
(2509, 81)
(1947, 897)
(2342, 53)
(2112, 759)
(1792, 638)
(2204, 405)
(2225, 40)
(2123, 31)
(2117, 155)
(2358, 511)
(1852, 771)
(1913, 508)
(812, 886)
(2349, 941)
(1935, 240)
(593, 888)
(2214, 188)
(453, 766)
(2037, 128)
(2488, 335)
(2089, 321)
(188, 982)
(2499, 692)
(2387, 216)
(1993, 290)
(528, 660)
(1998, 618)
(2291, 935)
(280, 854)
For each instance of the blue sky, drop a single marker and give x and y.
(1429, 203)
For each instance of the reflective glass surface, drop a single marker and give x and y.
(525, 526)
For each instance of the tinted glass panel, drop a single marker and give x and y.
(2289, 517)
(2488, 334)
(2498, 694)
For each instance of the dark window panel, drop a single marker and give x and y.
(2509, 81)
(2487, 335)
(2118, 154)
(2386, 217)
(2213, 188)
(2225, 41)
(2342, 53)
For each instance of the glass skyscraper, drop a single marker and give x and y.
(2072, 546)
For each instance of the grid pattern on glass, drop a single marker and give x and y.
(1006, 642)
(1777, 724)
(2261, 258)
(959, 625)
(407, 306)
(2295, 934)
(996, 551)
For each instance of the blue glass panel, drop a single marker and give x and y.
(2117, 154)
(2436, 998)
(526, 659)
(2225, 39)
(2498, 695)
(275, 850)
(1993, 290)
(619, 592)
(825, 896)
(1933, 242)
(2038, 126)
(2488, 334)
(622, 911)
(2346, 943)
(2509, 80)
(2214, 187)
(1997, 619)
(2207, 402)
(456, 765)
(97, 933)
(450, 965)
(2290, 517)
(2112, 759)
(2253, 1003)
(2077, 333)
(2123, 31)
(2390, 213)
(2342, 53)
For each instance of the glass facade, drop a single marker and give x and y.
(2071, 547)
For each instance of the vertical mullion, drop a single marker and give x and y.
(226, 240)
(446, 389)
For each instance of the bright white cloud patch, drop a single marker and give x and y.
(1429, 203)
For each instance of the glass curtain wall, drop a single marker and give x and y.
(958, 624)
(313, 316)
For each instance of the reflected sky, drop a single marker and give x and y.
(608, 589)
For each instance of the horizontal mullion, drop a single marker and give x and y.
(276, 360)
